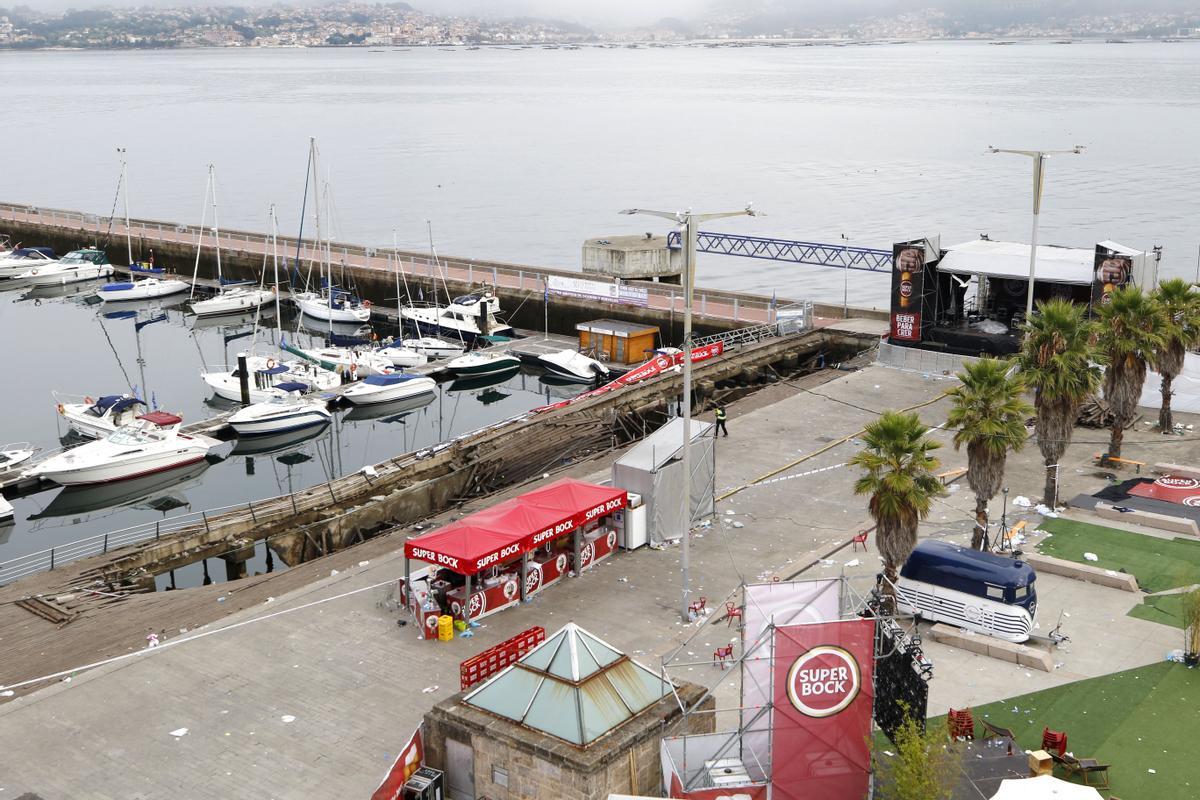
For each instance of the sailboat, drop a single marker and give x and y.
(419, 350)
(330, 302)
(155, 283)
(232, 296)
(270, 377)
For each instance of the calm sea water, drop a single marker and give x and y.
(521, 154)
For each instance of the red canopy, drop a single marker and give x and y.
(516, 526)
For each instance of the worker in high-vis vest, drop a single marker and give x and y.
(721, 420)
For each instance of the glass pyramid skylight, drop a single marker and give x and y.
(573, 686)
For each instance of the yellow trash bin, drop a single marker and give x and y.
(445, 628)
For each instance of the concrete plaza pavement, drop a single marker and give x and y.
(315, 702)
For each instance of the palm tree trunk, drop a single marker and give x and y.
(1051, 491)
(890, 578)
(1165, 423)
(1114, 442)
(981, 520)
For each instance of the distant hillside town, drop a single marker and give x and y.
(399, 24)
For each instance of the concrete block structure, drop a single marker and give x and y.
(643, 257)
(574, 719)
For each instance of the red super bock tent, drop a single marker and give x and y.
(516, 526)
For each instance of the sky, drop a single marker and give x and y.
(618, 13)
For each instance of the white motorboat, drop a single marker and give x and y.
(573, 364)
(98, 418)
(75, 266)
(152, 443)
(15, 454)
(466, 318)
(434, 347)
(233, 299)
(6, 509)
(141, 289)
(482, 362)
(358, 363)
(280, 415)
(24, 259)
(341, 307)
(269, 378)
(386, 388)
(401, 356)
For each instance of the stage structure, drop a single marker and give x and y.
(817, 663)
(970, 298)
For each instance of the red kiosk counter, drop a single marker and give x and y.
(507, 553)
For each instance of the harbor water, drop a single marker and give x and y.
(156, 349)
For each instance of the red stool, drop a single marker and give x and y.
(722, 653)
(731, 611)
(861, 538)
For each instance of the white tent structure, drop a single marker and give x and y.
(1044, 787)
(1185, 390)
(1010, 260)
(653, 470)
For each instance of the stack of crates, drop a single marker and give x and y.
(494, 659)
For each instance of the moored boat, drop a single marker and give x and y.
(232, 300)
(386, 388)
(98, 418)
(573, 365)
(465, 319)
(434, 347)
(15, 454)
(482, 362)
(334, 305)
(402, 356)
(270, 378)
(141, 289)
(24, 259)
(152, 443)
(280, 415)
(76, 266)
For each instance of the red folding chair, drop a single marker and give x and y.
(722, 653)
(861, 538)
(732, 611)
(1054, 741)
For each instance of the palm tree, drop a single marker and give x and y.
(900, 481)
(1181, 310)
(1131, 330)
(989, 412)
(1056, 363)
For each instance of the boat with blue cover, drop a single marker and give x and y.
(386, 388)
(24, 259)
(97, 418)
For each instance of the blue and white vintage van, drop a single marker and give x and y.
(981, 592)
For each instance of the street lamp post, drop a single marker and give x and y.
(1039, 159)
(690, 221)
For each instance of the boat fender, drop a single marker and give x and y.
(60, 409)
(270, 363)
(89, 400)
(366, 304)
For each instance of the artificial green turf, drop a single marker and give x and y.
(1138, 720)
(1164, 608)
(1158, 564)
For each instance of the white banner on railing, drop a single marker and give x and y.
(597, 290)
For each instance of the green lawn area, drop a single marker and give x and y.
(1164, 608)
(1139, 720)
(1158, 564)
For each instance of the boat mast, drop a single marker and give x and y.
(329, 264)
(445, 287)
(200, 232)
(275, 265)
(125, 193)
(212, 176)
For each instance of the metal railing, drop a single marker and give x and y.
(717, 304)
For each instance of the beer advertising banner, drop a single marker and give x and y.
(1113, 270)
(908, 268)
(823, 685)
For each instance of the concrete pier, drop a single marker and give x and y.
(369, 269)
